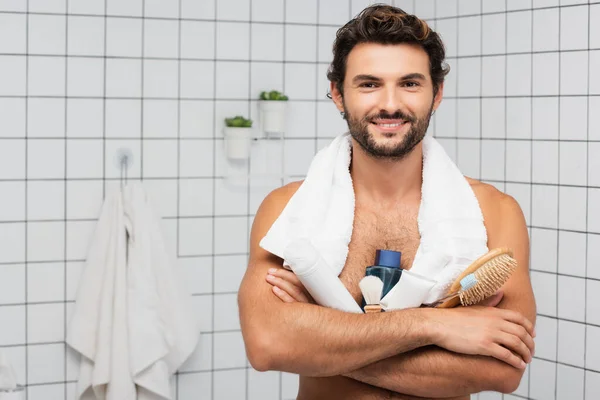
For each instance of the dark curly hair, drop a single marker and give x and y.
(385, 24)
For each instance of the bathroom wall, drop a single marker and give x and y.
(81, 80)
(521, 112)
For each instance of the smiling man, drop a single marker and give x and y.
(387, 79)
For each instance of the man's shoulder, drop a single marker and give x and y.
(274, 203)
(496, 205)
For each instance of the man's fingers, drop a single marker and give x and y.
(283, 295)
(517, 318)
(294, 291)
(521, 333)
(503, 354)
(515, 344)
(286, 275)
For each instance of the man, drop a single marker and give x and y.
(387, 79)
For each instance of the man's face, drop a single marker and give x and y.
(388, 98)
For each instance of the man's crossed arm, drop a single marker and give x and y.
(414, 352)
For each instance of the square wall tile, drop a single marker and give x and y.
(195, 236)
(305, 12)
(232, 80)
(230, 199)
(226, 312)
(123, 118)
(223, 389)
(160, 78)
(196, 119)
(12, 117)
(493, 114)
(46, 76)
(519, 32)
(546, 77)
(572, 208)
(574, 73)
(545, 162)
(13, 33)
(469, 36)
(198, 273)
(45, 200)
(545, 118)
(12, 202)
(123, 78)
(238, 10)
(160, 118)
(45, 363)
(573, 163)
(468, 157)
(45, 323)
(545, 289)
(124, 37)
(229, 271)
(195, 386)
(231, 235)
(300, 43)
(546, 338)
(518, 75)
(570, 383)
(198, 39)
(545, 29)
(195, 197)
(85, 36)
(493, 76)
(468, 118)
(541, 373)
(229, 350)
(492, 159)
(47, 34)
(12, 75)
(160, 158)
(571, 343)
(161, 8)
(571, 298)
(593, 256)
(85, 117)
(12, 242)
(592, 349)
(45, 241)
(469, 74)
(573, 118)
(45, 118)
(161, 38)
(13, 333)
(133, 8)
(267, 10)
(572, 253)
(85, 158)
(12, 284)
(518, 118)
(516, 151)
(263, 385)
(267, 42)
(592, 384)
(593, 302)
(448, 31)
(543, 249)
(574, 28)
(593, 217)
(79, 237)
(233, 40)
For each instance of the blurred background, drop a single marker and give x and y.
(81, 81)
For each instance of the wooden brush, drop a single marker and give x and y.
(371, 287)
(480, 280)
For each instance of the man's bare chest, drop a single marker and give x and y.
(371, 231)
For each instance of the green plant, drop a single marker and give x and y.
(238, 122)
(273, 95)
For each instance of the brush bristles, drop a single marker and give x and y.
(371, 288)
(490, 277)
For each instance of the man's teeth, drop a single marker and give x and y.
(390, 125)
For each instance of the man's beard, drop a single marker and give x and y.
(359, 129)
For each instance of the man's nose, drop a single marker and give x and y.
(391, 100)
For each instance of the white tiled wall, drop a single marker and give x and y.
(81, 80)
(521, 113)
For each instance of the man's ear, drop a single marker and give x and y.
(438, 96)
(336, 96)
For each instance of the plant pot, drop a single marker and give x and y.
(237, 142)
(272, 114)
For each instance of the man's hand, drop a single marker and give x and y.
(486, 331)
(477, 330)
(288, 287)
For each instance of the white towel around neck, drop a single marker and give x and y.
(450, 221)
(132, 322)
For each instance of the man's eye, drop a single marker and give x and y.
(368, 85)
(411, 84)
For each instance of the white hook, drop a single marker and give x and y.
(124, 160)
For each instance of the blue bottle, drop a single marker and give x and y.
(387, 268)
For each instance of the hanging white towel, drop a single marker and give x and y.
(321, 211)
(132, 323)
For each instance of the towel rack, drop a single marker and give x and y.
(124, 162)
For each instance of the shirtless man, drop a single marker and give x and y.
(387, 78)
